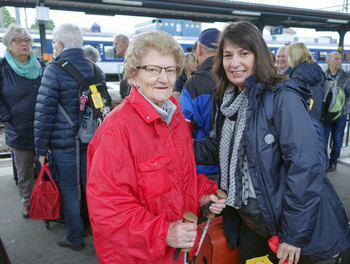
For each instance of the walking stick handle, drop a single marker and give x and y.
(188, 217)
(220, 194)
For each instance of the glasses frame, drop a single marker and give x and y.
(20, 41)
(144, 67)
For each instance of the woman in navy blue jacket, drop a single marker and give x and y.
(308, 74)
(20, 76)
(272, 171)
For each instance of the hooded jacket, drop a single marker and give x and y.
(141, 176)
(293, 192)
(311, 76)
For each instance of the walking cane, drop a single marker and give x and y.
(188, 217)
(220, 195)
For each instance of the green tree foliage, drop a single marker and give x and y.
(48, 26)
(8, 19)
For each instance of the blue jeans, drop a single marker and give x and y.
(337, 128)
(65, 162)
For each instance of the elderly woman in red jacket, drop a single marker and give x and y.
(141, 168)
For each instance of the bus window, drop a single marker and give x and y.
(322, 55)
(346, 56)
(109, 52)
(313, 54)
(37, 49)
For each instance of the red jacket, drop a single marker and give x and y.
(141, 177)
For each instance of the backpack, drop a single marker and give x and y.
(268, 105)
(333, 101)
(95, 101)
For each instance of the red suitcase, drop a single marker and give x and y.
(215, 249)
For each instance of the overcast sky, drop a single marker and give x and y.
(125, 24)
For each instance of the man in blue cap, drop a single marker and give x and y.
(197, 96)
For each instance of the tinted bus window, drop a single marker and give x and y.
(109, 52)
(346, 56)
(322, 55)
(313, 54)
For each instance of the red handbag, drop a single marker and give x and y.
(46, 200)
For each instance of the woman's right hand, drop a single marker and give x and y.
(181, 235)
(288, 251)
(42, 160)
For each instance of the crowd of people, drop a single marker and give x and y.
(189, 124)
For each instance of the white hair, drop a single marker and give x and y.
(69, 35)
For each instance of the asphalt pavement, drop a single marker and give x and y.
(27, 241)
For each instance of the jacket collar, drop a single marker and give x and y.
(207, 64)
(144, 108)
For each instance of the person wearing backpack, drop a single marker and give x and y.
(53, 131)
(272, 172)
(197, 95)
(337, 126)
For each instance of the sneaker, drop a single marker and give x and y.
(63, 242)
(331, 167)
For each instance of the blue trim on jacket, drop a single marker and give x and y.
(195, 101)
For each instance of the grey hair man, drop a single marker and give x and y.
(282, 61)
(121, 44)
(52, 131)
(197, 96)
(337, 127)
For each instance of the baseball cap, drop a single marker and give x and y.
(209, 38)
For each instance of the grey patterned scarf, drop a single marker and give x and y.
(233, 179)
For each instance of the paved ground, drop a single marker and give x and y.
(29, 242)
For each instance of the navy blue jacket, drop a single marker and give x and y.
(19, 95)
(51, 129)
(311, 76)
(296, 199)
(196, 105)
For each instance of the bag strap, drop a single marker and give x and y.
(71, 70)
(64, 113)
(77, 146)
(45, 168)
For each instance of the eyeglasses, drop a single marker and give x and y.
(155, 70)
(26, 41)
(53, 43)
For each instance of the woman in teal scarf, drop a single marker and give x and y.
(20, 76)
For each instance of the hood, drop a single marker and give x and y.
(307, 73)
(255, 88)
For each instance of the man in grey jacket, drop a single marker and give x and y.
(337, 127)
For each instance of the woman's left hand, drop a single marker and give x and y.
(288, 251)
(216, 207)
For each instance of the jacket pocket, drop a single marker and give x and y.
(154, 175)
